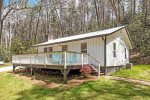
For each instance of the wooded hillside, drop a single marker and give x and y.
(23, 24)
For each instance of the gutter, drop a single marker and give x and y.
(105, 50)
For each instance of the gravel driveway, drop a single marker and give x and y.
(8, 68)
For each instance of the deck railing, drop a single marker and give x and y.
(52, 58)
(93, 62)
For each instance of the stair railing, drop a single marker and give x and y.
(94, 63)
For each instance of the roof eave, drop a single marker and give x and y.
(38, 45)
(70, 40)
(131, 43)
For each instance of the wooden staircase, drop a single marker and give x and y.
(95, 70)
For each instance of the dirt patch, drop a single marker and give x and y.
(53, 80)
(80, 80)
(131, 80)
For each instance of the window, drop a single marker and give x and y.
(45, 49)
(84, 47)
(114, 50)
(125, 50)
(50, 49)
(64, 48)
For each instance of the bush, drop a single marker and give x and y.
(5, 54)
(22, 47)
(86, 70)
(17, 47)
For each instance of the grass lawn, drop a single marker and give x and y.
(141, 72)
(12, 88)
(5, 64)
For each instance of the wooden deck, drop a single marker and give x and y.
(49, 66)
(63, 61)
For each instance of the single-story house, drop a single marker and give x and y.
(106, 48)
(110, 47)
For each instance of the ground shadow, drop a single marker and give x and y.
(48, 76)
(88, 91)
(102, 88)
(38, 93)
(108, 90)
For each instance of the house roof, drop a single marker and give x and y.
(81, 36)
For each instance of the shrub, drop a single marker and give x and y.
(86, 70)
(5, 54)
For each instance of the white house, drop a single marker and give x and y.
(110, 47)
(104, 51)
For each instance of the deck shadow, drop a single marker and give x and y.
(48, 76)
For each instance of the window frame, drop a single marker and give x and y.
(45, 49)
(84, 47)
(125, 52)
(64, 47)
(114, 50)
(50, 49)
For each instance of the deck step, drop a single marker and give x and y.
(96, 73)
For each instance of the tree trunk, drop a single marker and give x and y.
(1, 23)
(95, 5)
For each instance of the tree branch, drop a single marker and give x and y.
(7, 14)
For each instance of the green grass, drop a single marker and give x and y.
(141, 72)
(12, 88)
(5, 65)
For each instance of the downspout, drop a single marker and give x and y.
(104, 38)
(105, 51)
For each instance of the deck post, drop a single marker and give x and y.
(14, 68)
(31, 67)
(65, 75)
(65, 67)
(30, 59)
(45, 60)
(20, 61)
(31, 70)
(99, 70)
(82, 59)
(87, 59)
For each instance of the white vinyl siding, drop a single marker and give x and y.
(119, 38)
(95, 47)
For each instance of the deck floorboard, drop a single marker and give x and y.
(49, 66)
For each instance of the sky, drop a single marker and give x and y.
(30, 2)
